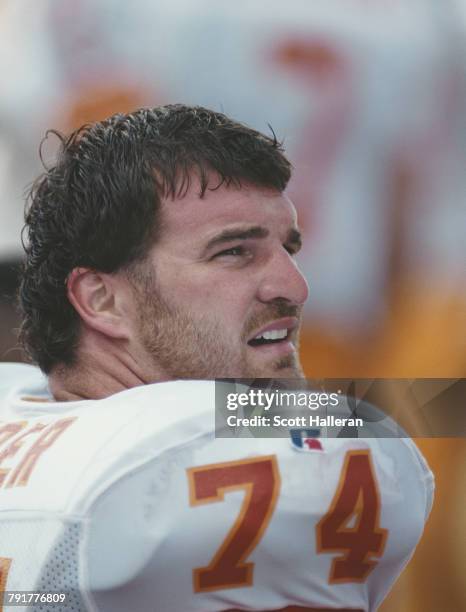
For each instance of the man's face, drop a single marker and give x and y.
(223, 294)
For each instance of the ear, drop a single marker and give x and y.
(98, 299)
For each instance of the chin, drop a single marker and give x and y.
(291, 371)
(287, 367)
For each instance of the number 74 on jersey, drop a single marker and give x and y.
(350, 529)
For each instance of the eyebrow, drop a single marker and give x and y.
(237, 234)
(229, 235)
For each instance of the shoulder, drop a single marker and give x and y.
(126, 431)
(393, 442)
(161, 404)
(86, 445)
(16, 375)
(12, 374)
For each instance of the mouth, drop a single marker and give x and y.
(275, 337)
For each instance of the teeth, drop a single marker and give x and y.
(274, 334)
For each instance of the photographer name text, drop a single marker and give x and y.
(300, 421)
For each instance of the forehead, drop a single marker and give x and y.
(194, 218)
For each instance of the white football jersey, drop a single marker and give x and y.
(131, 504)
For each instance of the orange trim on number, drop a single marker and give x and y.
(260, 479)
(357, 497)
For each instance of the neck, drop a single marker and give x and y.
(102, 368)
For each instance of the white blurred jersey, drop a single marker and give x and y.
(130, 504)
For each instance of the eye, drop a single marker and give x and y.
(237, 251)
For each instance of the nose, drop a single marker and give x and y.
(283, 279)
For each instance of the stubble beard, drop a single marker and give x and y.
(181, 347)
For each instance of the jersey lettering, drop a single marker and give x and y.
(14, 446)
(10, 429)
(19, 475)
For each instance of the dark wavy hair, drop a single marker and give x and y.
(98, 206)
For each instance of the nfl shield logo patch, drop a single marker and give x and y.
(306, 440)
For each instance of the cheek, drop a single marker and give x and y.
(223, 302)
(211, 291)
(229, 297)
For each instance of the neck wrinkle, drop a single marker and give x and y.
(103, 367)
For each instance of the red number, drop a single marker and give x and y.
(357, 500)
(4, 569)
(260, 479)
(350, 527)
